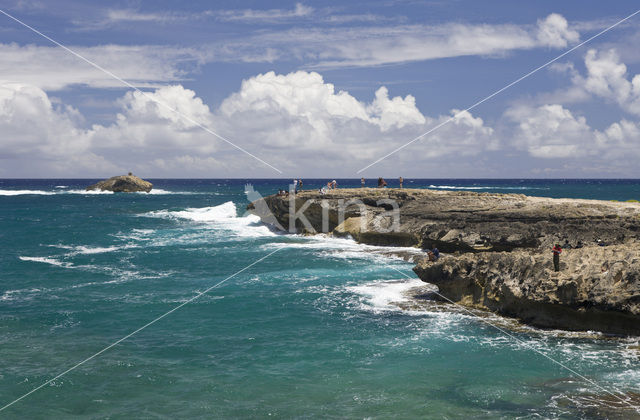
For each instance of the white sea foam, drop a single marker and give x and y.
(46, 260)
(159, 191)
(385, 295)
(496, 187)
(346, 248)
(25, 192)
(82, 249)
(62, 189)
(99, 250)
(222, 216)
(204, 214)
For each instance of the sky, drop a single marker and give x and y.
(265, 89)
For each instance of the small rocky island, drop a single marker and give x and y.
(122, 183)
(498, 249)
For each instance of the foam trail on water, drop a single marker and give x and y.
(46, 260)
(25, 192)
(223, 216)
(497, 187)
(62, 190)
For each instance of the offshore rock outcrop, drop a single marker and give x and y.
(122, 183)
(498, 248)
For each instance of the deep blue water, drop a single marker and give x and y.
(310, 331)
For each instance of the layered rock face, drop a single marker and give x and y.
(597, 288)
(123, 183)
(499, 248)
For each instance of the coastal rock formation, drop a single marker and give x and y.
(455, 220)
(122, 183)
(498, 248)
(597, 288)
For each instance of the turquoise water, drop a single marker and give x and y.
(310, 331)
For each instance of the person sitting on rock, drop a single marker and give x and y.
(556, 257)
(436, 252)
(381, 183)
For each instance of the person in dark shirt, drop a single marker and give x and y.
(436, 252)
(556, 257)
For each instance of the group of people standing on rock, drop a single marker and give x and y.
(297, 183)
(382, 183)
(331, 185)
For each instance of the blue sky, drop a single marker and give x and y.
(319, 89)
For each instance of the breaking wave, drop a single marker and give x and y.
(222, 216)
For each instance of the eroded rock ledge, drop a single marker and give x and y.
(498, 249)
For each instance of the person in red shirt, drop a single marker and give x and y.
(556, 257)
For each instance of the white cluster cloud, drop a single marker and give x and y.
(551, 131)
(553, 31)
(296, 122)
(305, 95)
(554, 132)
(607, 78)
(35, 132)
(306, 117)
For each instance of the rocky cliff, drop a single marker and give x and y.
(122, 183)
(498, 248)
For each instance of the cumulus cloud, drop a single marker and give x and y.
(551, 131)
(554, 132)
(301, 115)
(296, 122)
(37, 136)
(554, 31)
(606, 78)
(52, 68)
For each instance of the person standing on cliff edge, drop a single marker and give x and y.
(556, 257)
(401, 181)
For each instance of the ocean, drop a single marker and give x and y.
(321, 328)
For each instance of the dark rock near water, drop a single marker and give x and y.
(122, 183)
(498, 248)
